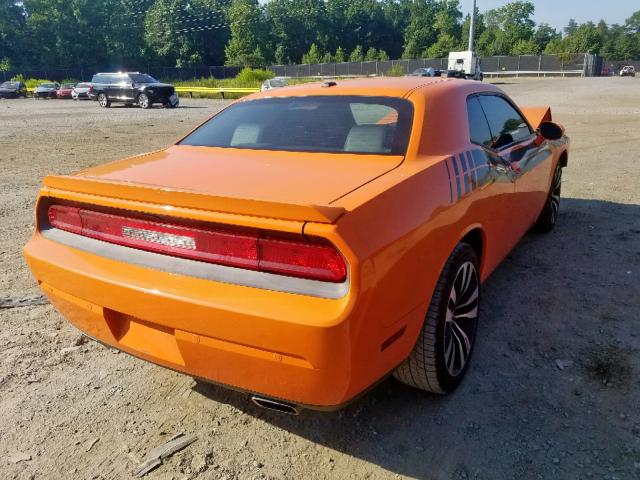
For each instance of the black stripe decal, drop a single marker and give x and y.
(446, 164)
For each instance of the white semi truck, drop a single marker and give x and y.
(465, 65)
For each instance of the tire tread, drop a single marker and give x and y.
(420, 369)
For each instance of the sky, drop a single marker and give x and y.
(558, 12)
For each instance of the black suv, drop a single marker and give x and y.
(132, 88)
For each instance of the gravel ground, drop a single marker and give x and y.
(553, 391)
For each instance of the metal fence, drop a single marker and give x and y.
(613, 67)
(521, 65)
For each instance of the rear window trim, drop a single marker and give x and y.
(403, 99)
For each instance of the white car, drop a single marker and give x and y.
(628, 71)
(277, 82)
(81, 91)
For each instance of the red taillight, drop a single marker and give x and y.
(322, 262)
(253, 251)
(65, 218)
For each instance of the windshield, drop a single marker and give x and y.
(82, 85)
(142, 78)
(9, 85)
(278, 82)
(47, 85)
(332, 124)
(67, 85)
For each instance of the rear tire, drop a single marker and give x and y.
(143, 101)
(551, 211)
(103, 100)
(441, 356)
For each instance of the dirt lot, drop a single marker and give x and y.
(569, 299)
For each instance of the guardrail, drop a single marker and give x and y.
(535, 73)
(216, 90)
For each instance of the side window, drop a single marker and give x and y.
(478, 126)
(506, 124)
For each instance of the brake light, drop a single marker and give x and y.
(250, 250)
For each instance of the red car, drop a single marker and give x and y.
(65, 90)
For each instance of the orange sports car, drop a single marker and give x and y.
(305, 242)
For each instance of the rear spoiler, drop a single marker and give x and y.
(200, 201)
(537, 115)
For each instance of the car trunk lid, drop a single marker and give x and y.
(286, 185)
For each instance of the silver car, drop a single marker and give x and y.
(46, 90)
(272, 83)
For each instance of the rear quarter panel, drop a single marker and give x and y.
(402, 227)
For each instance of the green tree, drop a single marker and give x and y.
(571, 27)
(249, 29)
(340, 56)
(12, 24)
(445, 44)
(356, 55)
(296, 24)
(371, 55)
(355, 22)
(279, 55)
(172, 35)
(466, 25)
(585, 39)
(327, 58)
(420, 33)
(506, 27)
(543, 35)
(396, 15)
(525, 47)
(382, 56)
(313, 55)
(632, 25)
(448, 18)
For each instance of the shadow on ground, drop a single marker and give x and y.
(556, 297)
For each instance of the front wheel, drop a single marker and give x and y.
(441, 356)
(551, 211)
(143, 100)
(103, 100)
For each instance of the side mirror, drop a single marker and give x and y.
(551, 130)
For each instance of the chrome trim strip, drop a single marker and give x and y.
(193, 268)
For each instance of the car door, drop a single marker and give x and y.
(102, 84)
(117, 89)
(126, 88)
(527, 154)
(490, 178)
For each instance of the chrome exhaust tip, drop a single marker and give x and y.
(275, 405)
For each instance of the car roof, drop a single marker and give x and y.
(398, 87)
(118, 73)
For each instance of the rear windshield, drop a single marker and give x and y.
(331, 124)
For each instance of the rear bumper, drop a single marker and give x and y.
(288, 346)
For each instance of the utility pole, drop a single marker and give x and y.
(472, 29)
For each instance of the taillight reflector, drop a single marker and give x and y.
(255, 251)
